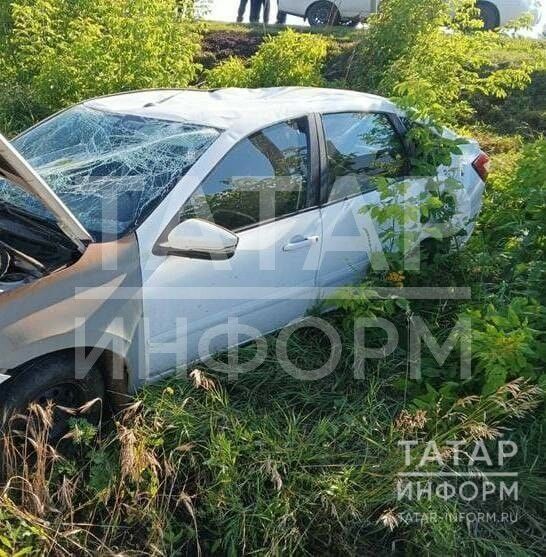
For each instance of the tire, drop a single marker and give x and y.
(323, 13)
(489, 15)
(53, 378)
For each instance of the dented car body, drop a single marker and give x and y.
(134, 231)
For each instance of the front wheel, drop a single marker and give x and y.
(323, 13)
(53, 379)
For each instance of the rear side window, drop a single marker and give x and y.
(263, 177)
(360, 146)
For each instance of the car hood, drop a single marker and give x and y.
(15, 168)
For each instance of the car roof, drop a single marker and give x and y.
(239, 110)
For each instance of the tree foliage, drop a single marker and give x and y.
(62, 51)
(444, 59)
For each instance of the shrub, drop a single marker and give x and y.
(289, 58)
(62, 51)
(392, 33)
(513, 227)
(231, 73)
(443, 71)
(433, 70)
(505, 345)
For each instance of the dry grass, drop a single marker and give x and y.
(153, 483)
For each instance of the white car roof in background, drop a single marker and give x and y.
(241, 111)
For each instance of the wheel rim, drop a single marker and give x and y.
(322, 15)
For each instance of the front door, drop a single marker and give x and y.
(264, 191)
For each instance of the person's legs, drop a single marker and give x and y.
(255, 6)
(242, 10)
(267, 9)
(281, 17)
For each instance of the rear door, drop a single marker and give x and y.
(356, 147)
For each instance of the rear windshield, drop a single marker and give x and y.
(110, 170)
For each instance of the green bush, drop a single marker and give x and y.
(62, 51)
(444, 71)
(431, 69)
(289, 58)
(231, 73)
(393, 32)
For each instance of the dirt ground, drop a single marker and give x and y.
(220, 45)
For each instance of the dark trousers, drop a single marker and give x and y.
(242, 10)
(281, 17)
(255, 8)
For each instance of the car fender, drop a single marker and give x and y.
(96, 302)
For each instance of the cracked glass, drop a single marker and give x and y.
(110, 169)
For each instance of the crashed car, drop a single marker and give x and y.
(143, 231)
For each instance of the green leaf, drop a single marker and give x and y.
(495, 379)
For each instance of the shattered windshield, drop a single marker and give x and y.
(111, 170)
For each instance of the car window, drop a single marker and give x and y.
(263, 177)
(111, 170)
(360, 146)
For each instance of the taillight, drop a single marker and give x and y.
(481, 165)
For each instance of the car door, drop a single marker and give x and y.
(353, 8)
(356, 147)
(265, 190)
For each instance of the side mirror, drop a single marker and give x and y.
(200, 239)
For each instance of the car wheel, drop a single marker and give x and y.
(489, 15)
(52, 378)
(323, 13)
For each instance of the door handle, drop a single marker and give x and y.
(299, 242)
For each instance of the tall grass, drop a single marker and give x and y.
(215, 467)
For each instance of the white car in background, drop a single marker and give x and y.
(349, 12)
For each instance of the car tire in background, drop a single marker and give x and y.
(489, 15)
(53, 378)
(323, 13)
